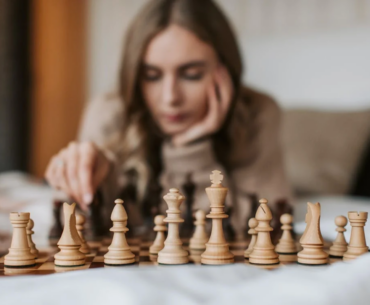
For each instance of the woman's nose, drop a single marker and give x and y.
(170, 92)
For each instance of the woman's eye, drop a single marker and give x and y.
(192, 75)
(151, 76)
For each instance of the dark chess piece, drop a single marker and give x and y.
(188, 188)
(57, 228)
(96, 227)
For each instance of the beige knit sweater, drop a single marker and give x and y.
(255, 164)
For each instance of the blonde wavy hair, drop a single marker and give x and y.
(140, 139)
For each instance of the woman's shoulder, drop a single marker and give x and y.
(260, 104)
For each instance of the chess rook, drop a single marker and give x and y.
(287, 248)
(200, 237)
(80, 221)
(32, 245)
(19, 252)
(70, 242)
(357, 243)
(311, 240)
(217, 250)
(252, 223)
(160, 228)
(173, 253)
(339, 246)
(119, 252)
(263, 251)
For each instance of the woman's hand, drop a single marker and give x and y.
(78, 170)
(219, 93)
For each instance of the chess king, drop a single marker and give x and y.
(217, 250)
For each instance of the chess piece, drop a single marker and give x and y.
(80, 221)
(357, 242)
(199, 239)
(70, 242)
(19, 252)
(57, 228)
(339, 246)
(263, 251)
(311, 240)
(217, 250)
(189, 188)
(119, 252)
(32, 245)
(252, 223)
(287, 248)
(173, 253)
(160, 228)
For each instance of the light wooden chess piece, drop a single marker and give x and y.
(311, 240)
(252, 223)
(119, 252)
(173, 253)
(200, 237)
(19, 252)
(357, 243)
(263, 251)
(339, 246)
(287, 248)
(160, 228)
(80, 221)
(32, 245)
(70, 242)
(217, 250)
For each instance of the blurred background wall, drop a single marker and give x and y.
(308, 54)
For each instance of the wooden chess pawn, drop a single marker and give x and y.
(32, 245)
(287, 248)
(339, 246)
(80, 221)
(70, 242)
(173, 253)
(311, 240)
(263, 251)
(119, 252)
(19, 252)
(200, 237)
(217, 249)
(160, 228)
(252, 223)
(357, 243)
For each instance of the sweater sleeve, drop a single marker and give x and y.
(100, 122)
(265, 176)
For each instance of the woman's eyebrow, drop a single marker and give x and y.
(149, 66)
(192, 64)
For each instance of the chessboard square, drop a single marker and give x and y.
(147, 263)
(49, 265)
(1, 259)
(98, 259)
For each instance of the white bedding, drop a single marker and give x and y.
(341, 283)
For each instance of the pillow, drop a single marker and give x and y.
(323, 149)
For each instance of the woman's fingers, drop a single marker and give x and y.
(72, 156)
(86, 166)
(224, 83)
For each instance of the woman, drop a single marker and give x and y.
(180, 110)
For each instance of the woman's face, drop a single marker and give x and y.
(176, 72)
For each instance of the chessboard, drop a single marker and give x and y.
(140, 247)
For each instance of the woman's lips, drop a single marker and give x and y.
(174, 118)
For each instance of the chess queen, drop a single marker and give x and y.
(180, 108)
